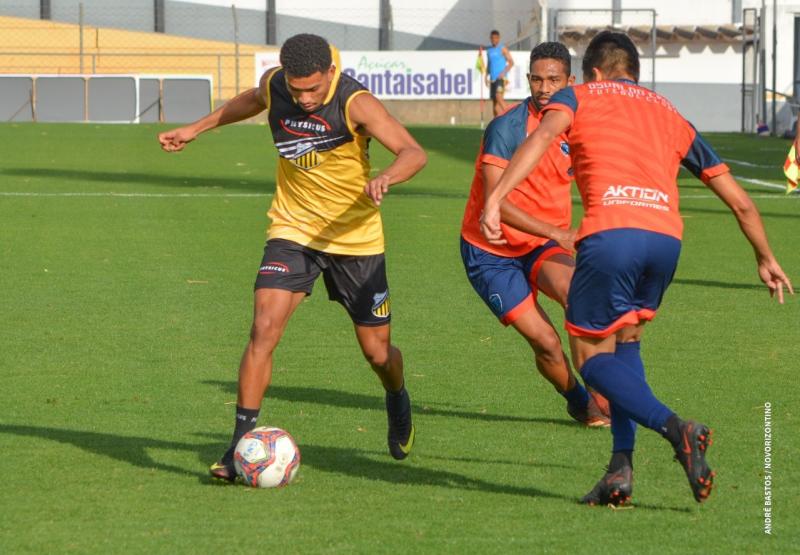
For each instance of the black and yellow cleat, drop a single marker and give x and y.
(223, 472)
(691, 453)
(400, 449)
(615, 488)
(401, 430)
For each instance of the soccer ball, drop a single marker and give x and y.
(267, 458)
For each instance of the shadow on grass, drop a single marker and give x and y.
(461, 143)
(719, 284)
(338, 460)
(230, 184)
(129, 449)
(345, 399)
(355, 463)
(242, 184)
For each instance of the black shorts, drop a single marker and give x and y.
(357, 282)
(498, 85)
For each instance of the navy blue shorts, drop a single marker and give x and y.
(620, 277)
(506, 284)
(496, 86)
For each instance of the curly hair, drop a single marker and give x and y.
(554, 51)
(305, 54)
(612, 52)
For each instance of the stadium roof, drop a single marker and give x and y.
(664, 33)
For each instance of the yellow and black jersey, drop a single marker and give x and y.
(323, 167)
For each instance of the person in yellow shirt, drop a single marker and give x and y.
(325, 219)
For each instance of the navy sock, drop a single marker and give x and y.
(630, 354)
(577, 396)
(623, 427)
(672, 430)
(245, 421)
(620, 384)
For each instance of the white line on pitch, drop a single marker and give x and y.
(749, 164)
(761, 183)
(759, 196)
(133, 195)
(259, 195)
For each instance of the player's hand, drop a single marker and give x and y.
(490, 225)
(772, 275)
(377, 188)
(175, 140)
(566, 239)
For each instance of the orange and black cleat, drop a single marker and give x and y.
(591, 416)
(691, 453)
(601, 402)
(615, 488)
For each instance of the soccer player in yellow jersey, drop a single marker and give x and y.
(325, 219)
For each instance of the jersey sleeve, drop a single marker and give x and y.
(701, 159)
(563, 101)
(497, 149)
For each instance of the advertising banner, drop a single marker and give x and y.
(421, 74)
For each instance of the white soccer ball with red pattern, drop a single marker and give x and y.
(267, 458)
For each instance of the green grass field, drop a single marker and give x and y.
(126, 292)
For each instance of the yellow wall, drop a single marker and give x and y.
(36, 46)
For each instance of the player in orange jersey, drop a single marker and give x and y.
(627, 143)
(534, 257)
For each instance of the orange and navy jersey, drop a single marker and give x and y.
(627, 144)
(544, 194)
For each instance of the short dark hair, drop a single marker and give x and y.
(494, 32)
(611, 52)
(305, 54)
(555, 51)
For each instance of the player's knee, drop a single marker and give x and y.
(264, 333)
(378, 357)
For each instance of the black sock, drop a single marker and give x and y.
(620, 459)
(245, 421)
(672, 430)
(398, 404)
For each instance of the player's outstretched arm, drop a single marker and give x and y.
(746, 213)
(370, 117)
(522, 163)
(246, 105)
(519, 219)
